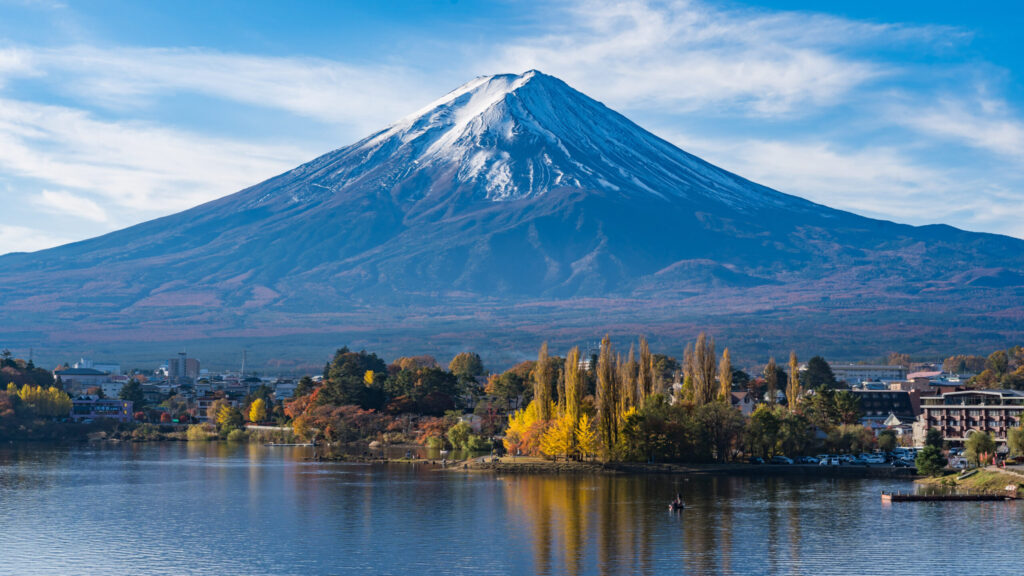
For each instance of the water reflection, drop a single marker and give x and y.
(200, 508)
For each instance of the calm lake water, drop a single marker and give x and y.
(216, 509)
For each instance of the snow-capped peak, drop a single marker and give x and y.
(511, 136)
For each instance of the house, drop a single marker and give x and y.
(744, 402)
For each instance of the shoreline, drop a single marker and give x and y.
(541, 467)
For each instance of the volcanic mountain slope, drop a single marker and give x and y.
(513, 203)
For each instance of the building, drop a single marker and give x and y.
(856, 373)
(92, 408)
(743, 401)
(80, 379)
(109, 367)
(960, 414)
(112, 387)
(203, 404)
(284, 389)
(878, 405)
(183, 370)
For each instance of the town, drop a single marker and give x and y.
(864, 413)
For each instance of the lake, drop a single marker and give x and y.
(175, 508)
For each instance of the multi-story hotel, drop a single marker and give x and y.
(959, 414)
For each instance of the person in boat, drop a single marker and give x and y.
(678, 502)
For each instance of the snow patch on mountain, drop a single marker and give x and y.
(508, 137)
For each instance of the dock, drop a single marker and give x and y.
(900, 497)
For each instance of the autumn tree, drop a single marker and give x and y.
(525, 429)
(627, 382)
(467, 366)
(646, 371)
(702, 369)
(998, 362)
(559, 439)
(771, 380)
(416, 362)
(258, 410)
(542, 384)
(508, 386)
(228, 419)
(725, 376)
(587, 441)
(793, 390)
(573, 376)
(47, 402)
(960, 364)
(607, 400)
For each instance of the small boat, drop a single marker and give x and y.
(676, 506)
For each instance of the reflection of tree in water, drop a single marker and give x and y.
(793, 514)
(774, 521)
(723, 490)
(709, 516)
(562, 513)
(544, 501)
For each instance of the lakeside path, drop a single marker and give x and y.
(529, 465)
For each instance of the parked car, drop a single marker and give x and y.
(829, 461)
(901, 463)
(873, 458)
(808, 460)
(755, 460)
(779, 459)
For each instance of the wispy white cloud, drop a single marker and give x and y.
(688, 55)
(985, 123)
(64, 202)
(364, 97)
(145, 168)
(26, 239)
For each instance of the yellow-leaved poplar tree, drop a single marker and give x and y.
(558, 439)
(258, 410)
(587, 443)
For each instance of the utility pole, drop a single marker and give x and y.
(242, 376)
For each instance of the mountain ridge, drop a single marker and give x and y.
(513, 191)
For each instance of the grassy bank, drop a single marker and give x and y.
(989, 480)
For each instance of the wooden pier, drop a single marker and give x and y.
(900, 497)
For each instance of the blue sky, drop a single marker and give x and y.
(112, 113)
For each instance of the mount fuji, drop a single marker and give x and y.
(511, 210)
